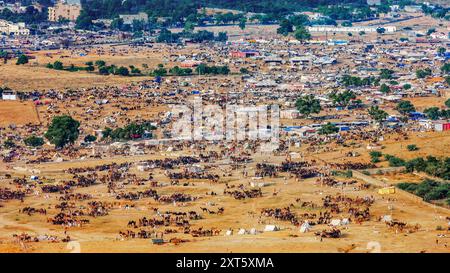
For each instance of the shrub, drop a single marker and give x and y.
(412, 147)
(34, 141)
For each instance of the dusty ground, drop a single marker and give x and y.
(101, 235)
(18, 113)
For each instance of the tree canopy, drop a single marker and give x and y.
(308, 105)
(63, 130)
(377, 114)
(405, 107)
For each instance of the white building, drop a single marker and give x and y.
(129, 18)
(367, 29)
(373, 2)
(9, 28)
(413, 8)
(9, 95)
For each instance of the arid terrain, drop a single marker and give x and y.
(125, 183)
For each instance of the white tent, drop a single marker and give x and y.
(229, 232)
(242, 231)
(335, 222)
(305, 227)
(253, 231)
(271, 228)
(386, 218)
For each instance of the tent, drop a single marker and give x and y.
(157, 241)
(305, 227)
(253, 231)
(229, 232)
(386, 218)
(271, 228)
(335, 222)
(242, 231)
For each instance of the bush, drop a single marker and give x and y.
(100, 63)
(8, 144)
(58, 65)
(412, 147)
(427, 189)
(375, 154)
(90, 138)
(34, 141)
(23, 59)
(394, 161)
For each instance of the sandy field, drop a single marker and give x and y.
(18, 113)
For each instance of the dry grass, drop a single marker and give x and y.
(18, 113)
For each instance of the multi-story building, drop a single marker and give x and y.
(64, 10)
(9, 28)
(129, 18)
(328, 28)
(373, 2)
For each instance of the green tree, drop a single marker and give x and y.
(285, 28)
(433, 113)
(328, 128)
(122, 71)
(405, 107)
(84, 20)
(446, 68)
(447, 103)
(302, 34)
(189, 27)
(23, 59)
(103, 70)
(381, 30)
(343, 99)
(386, 74)
(384, 88)
(412, 147)
(90, 138)
(308, 105)
(377, 114)
(34, 141)
(423, 73)
(244, 70)
(63, 130)
(58, 65)
(160, 71)
(8, 144)
(242, 23)
(100, 63)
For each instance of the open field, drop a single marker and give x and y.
(18, 113)
(101, 234)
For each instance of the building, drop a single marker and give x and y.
(17, 29)
(413, 8)
(373, 2)
(367, 29)
(244, 53)
(9, 95)
(64, 10)
(129, 18)
(441, 126)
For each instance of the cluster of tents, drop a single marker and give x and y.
(305, 227)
